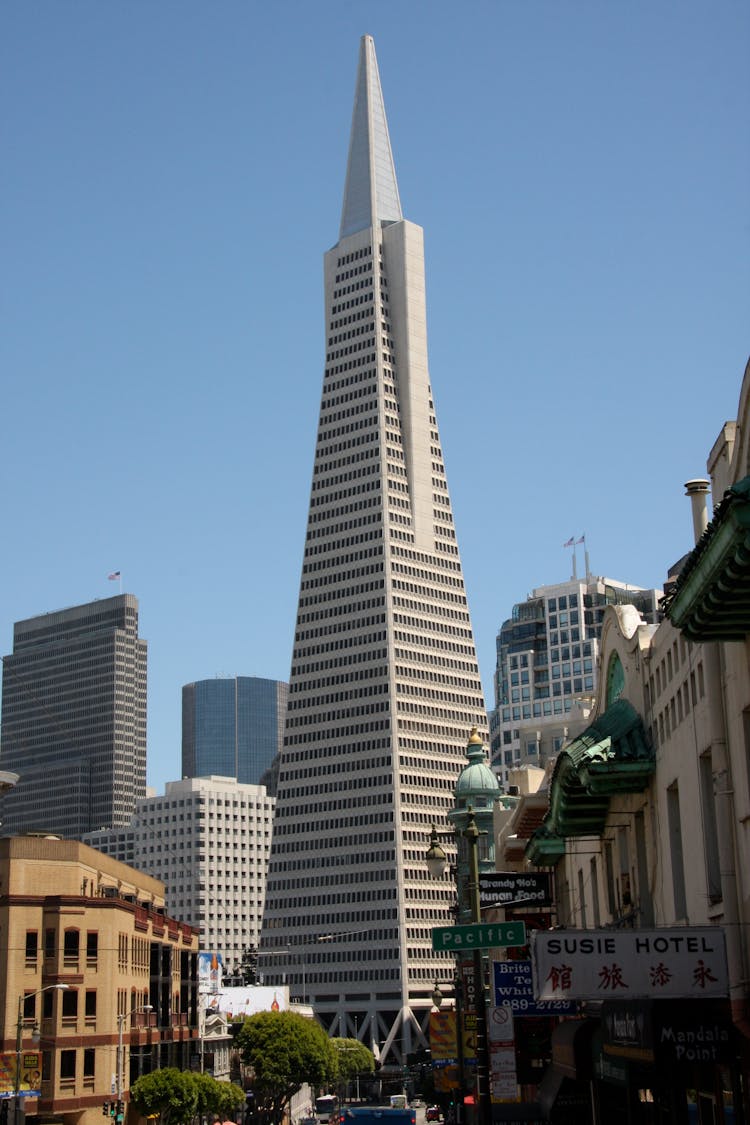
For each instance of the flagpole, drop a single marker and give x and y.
(571, 543)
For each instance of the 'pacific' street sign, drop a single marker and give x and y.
(479, 935)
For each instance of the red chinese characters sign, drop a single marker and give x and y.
(679, 963)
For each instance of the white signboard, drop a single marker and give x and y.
(503, 1079)
(249, 999)
(682, 963)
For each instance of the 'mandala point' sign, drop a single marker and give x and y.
(685, 962)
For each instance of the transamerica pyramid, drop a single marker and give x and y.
(384, 685)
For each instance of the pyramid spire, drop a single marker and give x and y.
(371, 191)
(384, 681)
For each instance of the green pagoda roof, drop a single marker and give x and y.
(611, 756)
(711, 597)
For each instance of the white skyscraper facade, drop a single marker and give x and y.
(208, 839)
(547, 666)
(384, 685)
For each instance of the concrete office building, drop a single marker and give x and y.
(232, 727)
(384, 686)
(74, 719)
(208, 840)
(546, 671)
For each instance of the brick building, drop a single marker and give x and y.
(90, 960)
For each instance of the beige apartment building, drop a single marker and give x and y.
(95, 980)
(647, 833)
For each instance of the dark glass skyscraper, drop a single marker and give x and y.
(232, 727)
(74, 719)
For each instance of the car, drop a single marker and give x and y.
(434, 1113)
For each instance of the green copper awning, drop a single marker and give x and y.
(612, 756)
(545, 848)
(711, 598)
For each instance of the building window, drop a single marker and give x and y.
(32, 939)
(676, 852)
(610, 876)
(90, 1005)
(89, 1063)
(92, 949)
(67, 1066)
(710, 832)
(593, 877)
(70, 949)
(70, 1007)
(49, 943)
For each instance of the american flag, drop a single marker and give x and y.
(113, 576)
(570, 541)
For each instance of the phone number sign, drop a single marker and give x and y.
(513, 986)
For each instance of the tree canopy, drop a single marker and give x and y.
(171, 1093)
(354, 1059)
(285, 1050)
(177, 1096)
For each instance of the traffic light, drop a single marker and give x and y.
(105, 1109)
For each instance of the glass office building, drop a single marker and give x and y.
(232, 727)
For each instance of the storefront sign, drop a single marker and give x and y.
(681, 963)
(692, 1033)
(505, 888)
(512, 985)
(627, 1030)
(668, 1033)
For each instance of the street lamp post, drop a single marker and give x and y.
(19, 1041)
(436, 863)
(121, 1017)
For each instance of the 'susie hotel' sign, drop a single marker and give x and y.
(683, 962)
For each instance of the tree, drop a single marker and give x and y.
(286, 1051)
(228, 1097)
(171, 1093)
(217, 1099)
(354, 1059)
(178, 1096)
(245, 971)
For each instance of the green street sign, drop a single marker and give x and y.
(480, 935)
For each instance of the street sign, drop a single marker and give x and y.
(479, 935)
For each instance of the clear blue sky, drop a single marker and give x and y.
(172, 175)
